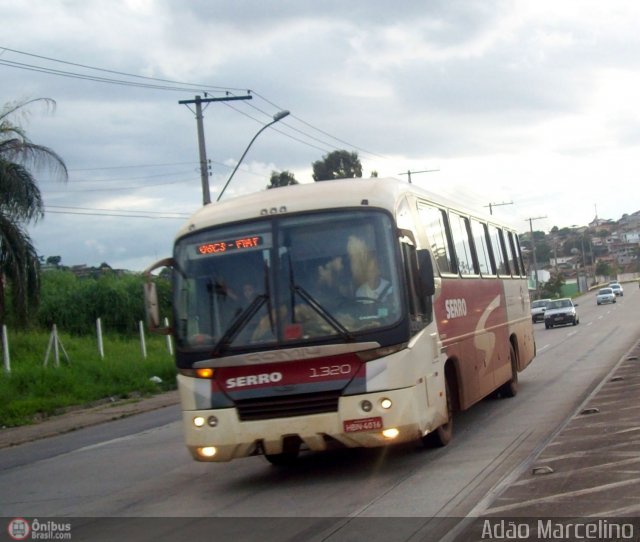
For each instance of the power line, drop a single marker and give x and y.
(133, 166)
(154, 83)
(319, 130)
(116, 215)
(121, 179)
(137, 187)
(182, 214)
(115, 72)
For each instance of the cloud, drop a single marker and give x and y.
(530, 102)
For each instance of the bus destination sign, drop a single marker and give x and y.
(233, 245)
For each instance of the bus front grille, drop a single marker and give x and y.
(266, 408)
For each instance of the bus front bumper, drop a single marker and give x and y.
(368, 420)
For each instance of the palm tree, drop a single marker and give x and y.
(21, 203)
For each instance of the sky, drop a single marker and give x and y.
(528, 106)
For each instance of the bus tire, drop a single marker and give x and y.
(510, 388)
(443, 434)
(289, 454)
(285, 459)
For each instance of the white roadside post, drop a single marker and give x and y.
(169, 341)
(5, 350)
(143, 344)
(54, 341)
(100, 342)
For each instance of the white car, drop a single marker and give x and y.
(561, 312)
(605, 295)
(617, 289)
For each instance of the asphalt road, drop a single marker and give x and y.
(138, 467)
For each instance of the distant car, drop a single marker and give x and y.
(617, 289)
(561, 312)
(605, 295)
(537, 309)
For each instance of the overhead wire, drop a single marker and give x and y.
(119, 213)
(176, 86)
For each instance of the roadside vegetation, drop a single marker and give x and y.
(33, 391)
(32, 301)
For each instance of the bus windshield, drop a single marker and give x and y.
(286, 279)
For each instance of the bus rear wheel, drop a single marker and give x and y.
(510, 388)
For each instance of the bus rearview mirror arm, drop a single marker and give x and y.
(151, 306)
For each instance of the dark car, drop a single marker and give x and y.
(561, 312)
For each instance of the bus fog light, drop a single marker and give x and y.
(390, 433)
(212, 421)
(207, 451)
(386, 403)
(198, 421)
(366, 406)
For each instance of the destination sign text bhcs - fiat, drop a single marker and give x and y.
(232, 245)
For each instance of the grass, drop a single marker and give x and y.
(32, 391)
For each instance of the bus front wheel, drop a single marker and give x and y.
(289, 454)
(443, 434)
(285, 459)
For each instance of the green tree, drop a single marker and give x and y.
(553, 288)
(337, 165)
(21, 204)
(543, 252)
(284, 178)
(603, 269)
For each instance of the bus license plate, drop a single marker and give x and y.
(364, 424)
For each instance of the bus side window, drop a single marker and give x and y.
(463, 244)
(498, 251)
(480, 238)
(513, 255)
(518, 254)
(434, 221)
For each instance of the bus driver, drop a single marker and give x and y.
(366, 272)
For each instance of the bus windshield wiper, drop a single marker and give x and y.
(244, 317)
(238, 324)
(324, 313)
(315, 305)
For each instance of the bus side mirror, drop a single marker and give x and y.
(425, 267)
(151, 306)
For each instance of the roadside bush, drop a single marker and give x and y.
(74, 304)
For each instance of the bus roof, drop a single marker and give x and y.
(334, 194)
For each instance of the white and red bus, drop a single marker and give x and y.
(353, 313)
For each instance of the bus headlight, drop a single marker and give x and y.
(386, 403)
(366, 406)
(390, 433)
(198, 421)
(207, 451)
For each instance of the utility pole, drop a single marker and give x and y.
(492, 205)
(204, 170)
(409, 172)
(533, 250)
